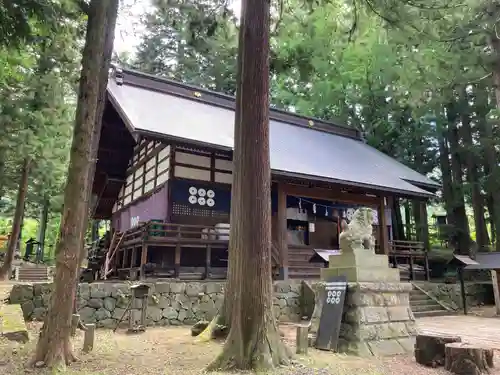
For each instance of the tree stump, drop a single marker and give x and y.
(430, 349)
(468, 359)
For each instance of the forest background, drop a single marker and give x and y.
(417, 77)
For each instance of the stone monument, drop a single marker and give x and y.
(377, 318)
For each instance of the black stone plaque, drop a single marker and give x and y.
(331, 316)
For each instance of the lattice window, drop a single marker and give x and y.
(182, 209)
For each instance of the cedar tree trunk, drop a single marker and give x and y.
(54, 345)
(491, 154)
(461, 234)
(6, 269)
(444, 163)
(254, 341)
(109, 30)
(231, 293)
(482, 238)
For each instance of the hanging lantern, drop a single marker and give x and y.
(314, 208)
(326, 211)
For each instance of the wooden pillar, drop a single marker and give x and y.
(424, 225)
(144, 259)
(382, 223)
(281, 233)
(124, 259)
(496, 289)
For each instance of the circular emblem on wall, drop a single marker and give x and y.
(201, 201)
(210, 202)
(202, 192)
(193, 190)
(350, 213)
(193, 199)
(210, 193)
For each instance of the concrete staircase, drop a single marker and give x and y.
(33, 273)
(424, 305)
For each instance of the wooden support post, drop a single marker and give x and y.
(282, 232)
(460, 271)
(496, 289)
(124, 259)
(133, 263)
(207, 261)
(426, 265)
(177, 261)
(424, 226)
(144, 259)
(89, 338)
(412, 268)
(302, 341)
(382, 223)
(75, 319)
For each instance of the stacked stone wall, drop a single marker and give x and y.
(169, 303)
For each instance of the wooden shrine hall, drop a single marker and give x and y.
(163, 179)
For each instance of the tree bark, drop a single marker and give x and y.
(493, 180)
(482, 238)
(109, 30)
(429, 349)
(44, 218)
(254, 341)
(6, 269)
(461, 234)
(444, 163)
(466, 359)
(54, 346)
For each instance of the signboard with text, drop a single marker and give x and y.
(331, 316)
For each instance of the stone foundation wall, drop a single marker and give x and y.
(476, 293)
(377, 319)
(169, 303)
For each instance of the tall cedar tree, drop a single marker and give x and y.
(5, 271)
(254, 341)
(54, 345)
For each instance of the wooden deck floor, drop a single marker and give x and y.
(472, 329)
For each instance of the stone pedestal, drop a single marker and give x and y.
(377, 318)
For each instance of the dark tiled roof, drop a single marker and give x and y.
(300, 147)
(486, 261)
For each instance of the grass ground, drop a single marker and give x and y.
(172, 351)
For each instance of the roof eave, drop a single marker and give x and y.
(376, 188)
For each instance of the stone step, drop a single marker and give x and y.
(301, 274)
(422, 302)
(429, 307)
(421, 297)
(423, 314)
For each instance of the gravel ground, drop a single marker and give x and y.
(172, 351)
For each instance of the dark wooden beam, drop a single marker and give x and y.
(382, 224)
(331, 195)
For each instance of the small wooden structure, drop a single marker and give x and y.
(164, 174)
(491, 262)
